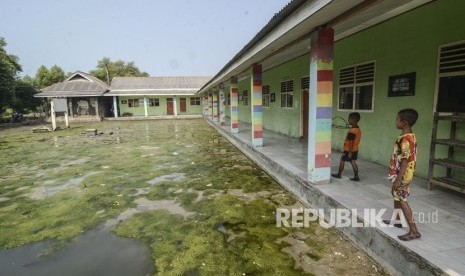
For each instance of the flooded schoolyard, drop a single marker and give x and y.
(165, 197)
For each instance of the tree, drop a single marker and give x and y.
(45, 77)
(107, 70)
(9, 69)
(24, 100)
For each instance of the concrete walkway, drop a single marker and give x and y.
(441, 249)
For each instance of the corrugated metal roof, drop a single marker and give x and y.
(157, 83)
(144, 92)
(77, 85)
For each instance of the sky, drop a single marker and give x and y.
(162, 37)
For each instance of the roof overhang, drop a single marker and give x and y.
(67, 94)
(153, 92)
(291, 37)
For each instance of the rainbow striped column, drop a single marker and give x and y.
(222, 115)
(320, 101)
(234, 101)
(215, 105)
(257, 117)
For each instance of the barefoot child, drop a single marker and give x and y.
(350, 150)
(402, 167)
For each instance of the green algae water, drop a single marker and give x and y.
(177, 187)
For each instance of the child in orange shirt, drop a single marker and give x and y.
(350, 150)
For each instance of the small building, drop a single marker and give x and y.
(84, 96)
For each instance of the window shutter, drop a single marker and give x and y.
(452, 59)
(347, 76)
(365, 73)
(305, 83)
(287, 86)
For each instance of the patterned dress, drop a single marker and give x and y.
(405, 147)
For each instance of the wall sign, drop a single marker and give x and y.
(402, 85)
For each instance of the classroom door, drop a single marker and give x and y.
(169, 106)
(183, 105)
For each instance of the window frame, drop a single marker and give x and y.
(133, 103)
(245, 98)
(194, 100)
(154, 102)
(286, 92)
(354, 85)
(266, 96)
(440, 75)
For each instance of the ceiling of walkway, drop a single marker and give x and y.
(291, 38)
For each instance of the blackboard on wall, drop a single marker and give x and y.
(402, 85)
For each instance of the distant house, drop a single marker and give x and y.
(89, 97)
(156, 96)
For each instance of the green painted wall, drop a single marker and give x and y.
(157, 110)
(274, 117)
(244, 111)
(407, 43)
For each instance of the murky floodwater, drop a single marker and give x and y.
(189, 202)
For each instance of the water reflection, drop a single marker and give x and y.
(80, 256)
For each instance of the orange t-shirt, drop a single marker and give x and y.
(354, 135)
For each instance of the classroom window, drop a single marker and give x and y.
(195, 100)
(154, 102)
(287, 94)
(133, 102)
(245, 98)
(266, 96)
(451, 89)
(356, 87)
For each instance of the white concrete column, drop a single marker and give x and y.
(96, 109)
(52, 111)
(115, 107)
(66, 119)
(145, 107)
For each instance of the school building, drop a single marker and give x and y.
(284, 101)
